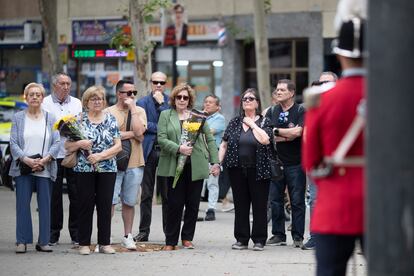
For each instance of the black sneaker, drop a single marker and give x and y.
(298, 243)
(210, 215)
(275, 240)
(239, 246)
(141, 237)
(258, 247)
(309, 245)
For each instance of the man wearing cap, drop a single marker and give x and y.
(337, 219)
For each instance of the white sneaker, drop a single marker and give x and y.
(84, 250)
(227, 207)
(128, 242)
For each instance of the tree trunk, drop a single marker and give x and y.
(262, 53)
(48, 12)
(143, 47)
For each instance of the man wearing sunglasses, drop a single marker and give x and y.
(287, 120)
(155, 102)
(128, 181)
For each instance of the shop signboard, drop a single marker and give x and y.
(100, 31)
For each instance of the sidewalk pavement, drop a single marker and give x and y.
(212, 256)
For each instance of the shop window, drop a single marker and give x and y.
(287, 59)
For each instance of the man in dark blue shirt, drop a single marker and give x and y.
(153, 103)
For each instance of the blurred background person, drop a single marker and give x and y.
(216, 123)
(324, 78)
(60, 103)
(188, 189)
(245, 152)
(32, 133)
(96, 173)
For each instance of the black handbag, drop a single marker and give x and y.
(122, 158)
(26, 169)
(276, 165)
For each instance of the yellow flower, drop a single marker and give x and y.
(67, 118)
(191, 126)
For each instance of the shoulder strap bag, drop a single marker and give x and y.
(122, 158)
(26, 169)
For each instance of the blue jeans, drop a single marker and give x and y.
(213, 190)
(312, 199)
(25, 184)
(295, 181)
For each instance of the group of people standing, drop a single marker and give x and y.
(153, 125)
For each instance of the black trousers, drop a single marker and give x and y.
(224, 183)
(333, 253)
(147, 193)
(248, 191)
(56, 206)
(95, 189)
(185, 194)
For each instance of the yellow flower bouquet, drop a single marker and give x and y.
(191, 129)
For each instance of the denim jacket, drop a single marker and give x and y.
(17, 143)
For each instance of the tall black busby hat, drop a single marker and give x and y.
(350, 42)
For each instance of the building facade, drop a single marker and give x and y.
(299, 34)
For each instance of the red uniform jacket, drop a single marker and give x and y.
(340, 196)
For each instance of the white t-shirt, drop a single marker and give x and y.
(34, 133)
(73, 106)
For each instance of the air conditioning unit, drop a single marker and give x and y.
(32, 32)
(27, 33)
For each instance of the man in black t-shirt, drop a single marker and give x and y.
(287, 120)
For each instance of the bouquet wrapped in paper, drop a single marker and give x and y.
(70, 128)
(191, 129)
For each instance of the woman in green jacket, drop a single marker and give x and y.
(188, 188)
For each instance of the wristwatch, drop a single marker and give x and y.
(276, 131)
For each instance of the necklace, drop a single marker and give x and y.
(34, 115)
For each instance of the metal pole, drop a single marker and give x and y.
(390, 139)
(174, 60)
(174, 65)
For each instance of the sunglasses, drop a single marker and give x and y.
(181, 97)
(250, 99)
(159, 82)
(129, 93)
(283, 117)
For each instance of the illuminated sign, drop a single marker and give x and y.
(91, 53)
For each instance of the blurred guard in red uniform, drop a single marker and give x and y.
(338, 219)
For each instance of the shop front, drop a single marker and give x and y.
(93, 62)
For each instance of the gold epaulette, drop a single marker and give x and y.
(312, 95)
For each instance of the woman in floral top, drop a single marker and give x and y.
(96, 173)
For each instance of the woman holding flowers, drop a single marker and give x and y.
(245, 151)
(35, 144)
(187, 147)
(96, 169)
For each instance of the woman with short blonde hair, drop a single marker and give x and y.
(96, 171)
(34, 146)
(92, 91)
